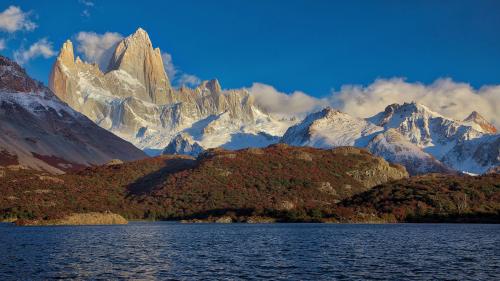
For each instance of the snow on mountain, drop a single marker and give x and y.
(41, 132)
(183, 144)
(331, 128)
(133, 98)
(432, 132)
(409, 134)
(395, 148)
(476, 155)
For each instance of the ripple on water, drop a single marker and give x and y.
(159, 250)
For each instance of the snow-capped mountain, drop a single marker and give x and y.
(409, 134)
(133, 98)
(41, 132)
(331, 128)
(429, 130)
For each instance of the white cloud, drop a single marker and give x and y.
(41, 48)
(188, 80)
(168, 65)
(14, 19)
(449, 98)
(2, 44)
(176, 76)
(97, 48)
(285, 105)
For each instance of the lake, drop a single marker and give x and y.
(163, 251)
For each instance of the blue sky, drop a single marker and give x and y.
(312, 46)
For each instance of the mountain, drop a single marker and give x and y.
(41, 132)
(331, 128)
(183, 144)
(134, 99)
(409, 134)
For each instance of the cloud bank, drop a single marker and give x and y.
(14, 19)
(97, 48)
(41, 48)
(285, 105)
(451, 99)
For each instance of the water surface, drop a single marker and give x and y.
(163, 251)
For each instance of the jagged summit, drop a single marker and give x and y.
(134, 99)
(136, 56)
(477, 119)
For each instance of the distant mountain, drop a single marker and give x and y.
(331, 128)
(133, 98)
(409, 134)
(41, 132)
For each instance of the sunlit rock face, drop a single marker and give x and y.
(134, 99)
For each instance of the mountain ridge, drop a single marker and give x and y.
(41, 132)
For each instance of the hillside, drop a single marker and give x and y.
(431, 198)
(278, 181)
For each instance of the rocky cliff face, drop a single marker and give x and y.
(134, 99)
(41, 132)
(135, 56)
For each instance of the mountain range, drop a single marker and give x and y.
(133, 99)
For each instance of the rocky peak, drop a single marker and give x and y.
(212, 85)
(136, 56)
(477, 119)
(66, 54)
(13, 79)
(411, 110)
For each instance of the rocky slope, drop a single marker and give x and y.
(39, 131)
(133, 98)
(409, 134)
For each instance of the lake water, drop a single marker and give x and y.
(163, 251)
